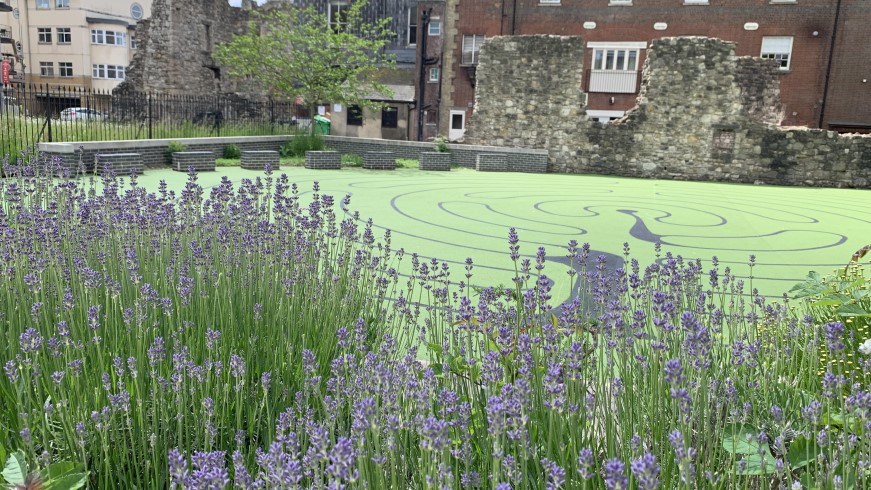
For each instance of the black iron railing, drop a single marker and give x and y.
(30, 114)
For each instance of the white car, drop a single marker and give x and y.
(81, 114)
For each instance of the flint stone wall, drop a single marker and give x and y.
(702, 114)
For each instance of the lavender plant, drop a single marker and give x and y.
(255, 338)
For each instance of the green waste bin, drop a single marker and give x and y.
(322, 125)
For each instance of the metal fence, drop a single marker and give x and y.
(44, 113)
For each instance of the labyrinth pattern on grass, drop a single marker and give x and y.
(462, 213)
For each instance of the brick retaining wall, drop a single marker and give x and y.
(198, 160)
(121, 164)
(323, 160)
(259, 159)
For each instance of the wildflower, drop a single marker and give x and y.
(12, 372)
(585, 463)
(865, 348)
(613, 471)
(30, 340)
(646, 472)
(556, 475)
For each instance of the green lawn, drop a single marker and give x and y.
(463, 213)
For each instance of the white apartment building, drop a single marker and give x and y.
(84, 44)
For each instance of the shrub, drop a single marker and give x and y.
(441, 144)
(173, 147)
(352, 160)
(302, 141)
(232, 152)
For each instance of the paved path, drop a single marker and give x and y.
(462, 213)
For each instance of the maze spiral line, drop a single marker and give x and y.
(462, 213)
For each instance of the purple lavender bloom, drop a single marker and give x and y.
(812, 412)
(58, 377)
(646, 472)
(674, 372)
(777, 413)
(209, 471)
(613, 471)
(343, 459)
(30, 340)
(178, 469)
(585, 463)
(12, 372)
(434, 434)
(556, 475)
(834, 332)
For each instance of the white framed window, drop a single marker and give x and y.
(779, 49)
(46, 68)
(109, 38)
(549, 2)
(64, 35)
(65, 69)
(471, 46)
(435, 26)
(434, 74)
(43, 35)
(43, 4)
(62, 4)
(412, 27)
(108, 72)
(695, 2)
(619, 3)
(615, 66)
(615, 59)
(339, 16)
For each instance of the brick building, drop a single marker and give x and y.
(815, 42)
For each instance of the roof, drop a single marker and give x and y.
(104, 20)
(401, 93)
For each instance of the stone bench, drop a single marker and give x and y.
(435, 160)
(323, 160)
(198, 160)
(379, 160)
(491, 162)
(259, 159)
(118, 163)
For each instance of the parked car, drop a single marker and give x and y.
(81, 114)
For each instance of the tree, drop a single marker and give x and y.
(299, 52)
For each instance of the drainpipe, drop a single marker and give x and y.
(829, 64)
(502, 18)
(514, 17)
(421, 84)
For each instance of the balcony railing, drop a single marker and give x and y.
(613, 81)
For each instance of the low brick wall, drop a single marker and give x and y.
(120, 164)
(491, 163)
(198, 160)
(434, 160)
(379, 160)
(259, 159)
(154, 154)
(323, 160)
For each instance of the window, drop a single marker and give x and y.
(43, 4)
(471, 46)
(614, 3)
(339, 16)
(46, 68)
(777, 48)
(136, 11)
(549, 2)
(108, 72)
(615, 59)
(432, 117)
(132, 42)
(44, 35)
(435, 27)
(62, 4)
(434, 74)
(389, 117)
(412, 27)
(615, 66)
(355, 116)
(695, 2)
(65, 69)
(111, 38)
(64, 36)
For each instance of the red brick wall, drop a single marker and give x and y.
(849, 97)
(801, 86)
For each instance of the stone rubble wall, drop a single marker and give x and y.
(702, 114)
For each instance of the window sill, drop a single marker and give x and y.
(696, 2)
(549, 4)
(787, 2)
(619, 4)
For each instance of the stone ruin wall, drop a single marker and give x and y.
(174, 48)
(702, 114)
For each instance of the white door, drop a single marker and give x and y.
(458, 125)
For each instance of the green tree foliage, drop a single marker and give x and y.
(298, 52)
